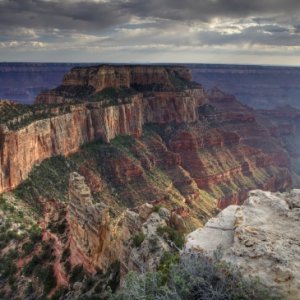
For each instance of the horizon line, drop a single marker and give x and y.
(151, 63)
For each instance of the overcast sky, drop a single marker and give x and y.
(203, 31)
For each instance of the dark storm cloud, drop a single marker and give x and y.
(145, 27)
(87, 15)
(204, 10)
(274, 28)
(62, 15)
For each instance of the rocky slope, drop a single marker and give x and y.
(96, 240)
(260, 237)
(284, 124)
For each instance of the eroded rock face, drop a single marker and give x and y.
(89, 225)
(261, 237)
(108, 76)
(206, 142)
(96, 240)
(62, 133)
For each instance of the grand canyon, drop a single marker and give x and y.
(118, 168)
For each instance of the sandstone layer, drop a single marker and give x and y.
(203, 141)
(260, 237)
(98, 78)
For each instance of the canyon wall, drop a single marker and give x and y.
(63, 134)
(90, 231)
(124, 76)
(205, 139)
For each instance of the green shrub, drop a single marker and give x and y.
(12, 235)
(77, 274)
(31, 265)
(66, 253)
(59, 294)
(47, 277)
(12, 254)
(11, 280)
(167, 261)
(29, 289)
(67, 266)
(172, 234)
(58, 227)
(194, 277)
(156, 208)
(28, 247)
(88, 284)
(122, 140)
(7, 266)
(35, 234)
(138, 239)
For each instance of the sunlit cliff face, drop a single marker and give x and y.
(265, 32)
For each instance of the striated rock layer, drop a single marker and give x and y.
(62, 135)
(260, 237)
(283, 124)
(98, 78)
(205, 142)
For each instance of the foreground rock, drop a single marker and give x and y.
(261, 238)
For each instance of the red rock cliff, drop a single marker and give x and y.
(125, 76)
(64, 132)
(214, 138)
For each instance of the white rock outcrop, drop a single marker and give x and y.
(260, 237)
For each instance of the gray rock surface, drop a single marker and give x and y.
(260, 237)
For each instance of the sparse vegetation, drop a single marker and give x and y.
(28, 247)
(123, 141)
(31, 265)
(75, 92)
(47, 277)
(167, 261)
(172, 234)
(49, 180)
(138, 239)
(16, 116)
(77, 274)
(193, 277)
(114, 96)
(35, 234)
(7, 264)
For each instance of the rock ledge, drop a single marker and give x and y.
(261, 238)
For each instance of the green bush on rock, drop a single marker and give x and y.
(138, 239)
(194, 277)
